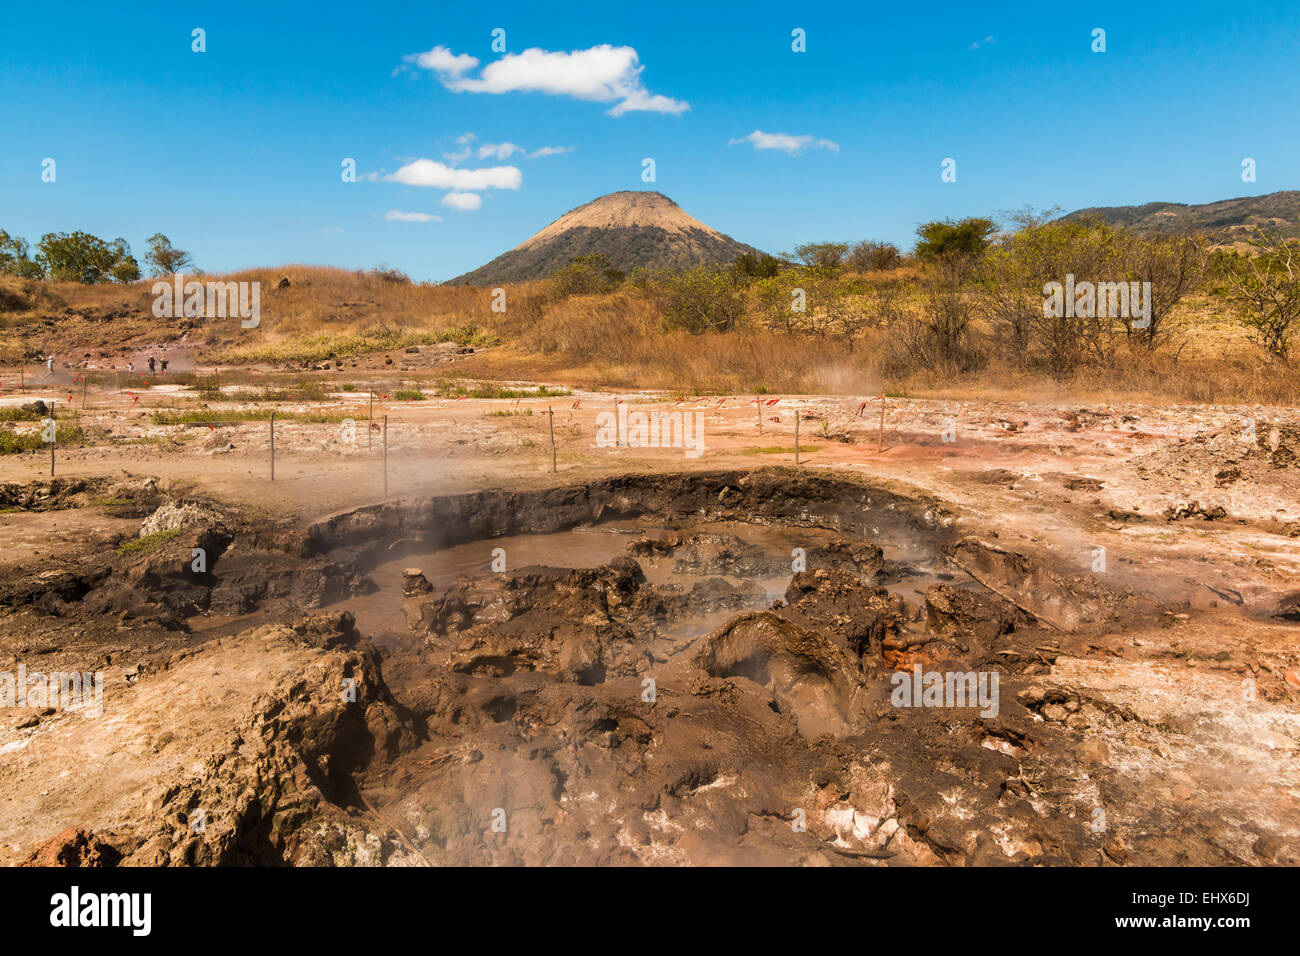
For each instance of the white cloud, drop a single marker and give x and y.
(464, 140)
(465, 202)
(443, 61)
(395, 215)
(498, 150)
(641, 101)
(787, 143)
(430, 172)
(603, 74)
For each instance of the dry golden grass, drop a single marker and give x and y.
(618, 340)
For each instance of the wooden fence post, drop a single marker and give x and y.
(880, 444)
(550, 414)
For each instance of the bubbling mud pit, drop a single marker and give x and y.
(763, 667)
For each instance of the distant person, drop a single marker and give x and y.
(151, 365)
(49, 365)
(130, 367)
(164, 366)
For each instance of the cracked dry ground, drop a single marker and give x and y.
(682, 697)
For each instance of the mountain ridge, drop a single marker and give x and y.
(1227, 219)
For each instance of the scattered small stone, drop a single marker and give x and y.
(1116, 850)
(1193, 509)
(1227, 476)
(414, 582)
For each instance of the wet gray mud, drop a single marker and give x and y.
(703, 669)
(762, 667)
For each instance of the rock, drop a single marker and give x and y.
(181, 514)
(414, 582)
(1193, 509)
(329, 631)
(1227, 476)
(1054, 712)
(1032, 696)
(74, 847)
(1288, 607)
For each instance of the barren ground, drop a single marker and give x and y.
(1129, 572)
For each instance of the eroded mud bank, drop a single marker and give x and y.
(750, 667)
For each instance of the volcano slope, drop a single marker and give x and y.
(717, 679)
(632, 229)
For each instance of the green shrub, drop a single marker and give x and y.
(146, 544)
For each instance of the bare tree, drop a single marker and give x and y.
(1173, 265)
(868, 255)
(940, 336)
(1266, 289)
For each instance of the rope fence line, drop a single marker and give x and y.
(710, 403)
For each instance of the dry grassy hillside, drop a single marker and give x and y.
(616, 339)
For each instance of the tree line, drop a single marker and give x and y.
(973, 290)
(82, 257)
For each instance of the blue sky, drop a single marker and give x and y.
(235, 153)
